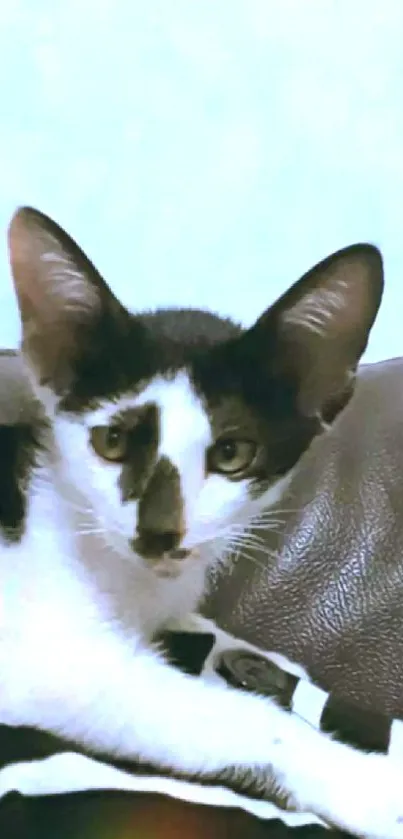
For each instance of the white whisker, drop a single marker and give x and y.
(242, 554)
(91, 531)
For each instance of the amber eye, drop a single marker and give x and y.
(109, 442)
(230, 456)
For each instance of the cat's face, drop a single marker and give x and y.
(178, 428)
(169, 472)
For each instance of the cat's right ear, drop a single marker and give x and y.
(63, 300)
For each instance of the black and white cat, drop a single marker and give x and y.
(160, 439)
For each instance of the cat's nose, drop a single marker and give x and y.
(153, 544)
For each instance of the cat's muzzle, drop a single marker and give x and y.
(155, 546)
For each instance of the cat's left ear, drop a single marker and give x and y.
(66, 307)
(315, 334)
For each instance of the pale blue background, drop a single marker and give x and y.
(206, 152)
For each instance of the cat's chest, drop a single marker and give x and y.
(53, 578)
(133, 595)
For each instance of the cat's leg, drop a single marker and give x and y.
(118, 698)
(194, 622)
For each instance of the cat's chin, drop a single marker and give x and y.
(166, 572)
(170, 567)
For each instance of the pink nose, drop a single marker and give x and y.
(181, 553)
(153, 544)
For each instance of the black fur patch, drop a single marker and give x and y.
(256, 405)
(19, 446)
(160, 513)
(125, 354)
(188, 650)
(358, 727)
(142, 426)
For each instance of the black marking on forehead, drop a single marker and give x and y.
(141, 421)
(126, 356)
(142, 426)
(234, 381)
(19, 446)
(160, 513)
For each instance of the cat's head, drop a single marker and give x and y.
(177, 427)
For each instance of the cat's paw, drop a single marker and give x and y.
(369, 804)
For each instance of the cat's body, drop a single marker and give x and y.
(161, 439)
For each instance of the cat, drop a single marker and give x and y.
(158, 440)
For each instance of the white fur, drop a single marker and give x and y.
(308, 702)
(78, 614)
(396, 739)
(72, 772)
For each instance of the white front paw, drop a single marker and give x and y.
(369, 803)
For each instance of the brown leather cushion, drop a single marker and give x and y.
(327, 587)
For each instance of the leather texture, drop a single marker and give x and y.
(326, 589)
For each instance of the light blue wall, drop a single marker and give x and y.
(206, 152)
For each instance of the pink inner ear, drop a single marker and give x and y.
(48, 281)
(29, 274)
(323, 324)
(25, 265)
(55, 296)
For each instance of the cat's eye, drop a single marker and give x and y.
(109, 442)
(230, 456)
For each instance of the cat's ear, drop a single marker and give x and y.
(61, 297)
(317, 331)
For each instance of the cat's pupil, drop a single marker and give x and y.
(114, 437)
(228, 450)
